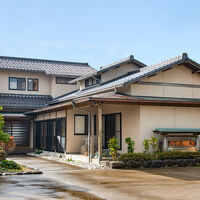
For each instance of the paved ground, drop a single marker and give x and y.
(61, 181)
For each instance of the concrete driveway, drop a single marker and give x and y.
(61, 181)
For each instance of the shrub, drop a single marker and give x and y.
(113, 146)
(177, 155)
(154, 143)
(39, 151)
(135, 156)
(146, 145)
(131, 144)
(6, 141)
(69, 160)
(173, 155)
(6, 164)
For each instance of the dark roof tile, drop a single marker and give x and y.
(49, 67)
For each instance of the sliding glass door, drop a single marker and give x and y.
(50, 135)
(111, 128)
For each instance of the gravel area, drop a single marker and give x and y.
(77, 160)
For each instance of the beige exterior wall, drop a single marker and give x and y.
(74, 142)
(137, 122)
(47, 84)
(60, 89)
(130, 122)
(152, 117)
(44, 82)
(112, 73)
(116, 72)
(177, 75)
(130, 118)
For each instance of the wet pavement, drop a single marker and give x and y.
(62, 181)
(42, 186)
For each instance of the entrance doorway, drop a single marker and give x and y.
(111, 128)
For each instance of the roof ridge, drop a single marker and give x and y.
(41, 60)
(130, 57)
(179, 57)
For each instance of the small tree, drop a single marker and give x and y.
(4, 137)
(6, 141)
(131, 144)
(113, 146)
(154, 144)
(146, 145)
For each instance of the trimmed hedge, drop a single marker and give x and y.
(161, 159)
(159, 156)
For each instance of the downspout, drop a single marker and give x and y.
(89, 124)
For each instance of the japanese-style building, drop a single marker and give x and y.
(126, 99)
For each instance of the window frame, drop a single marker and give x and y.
(67, 83)
(95, 81)
(120, 131)
(86, 124)
(18, 78)
(33, 80)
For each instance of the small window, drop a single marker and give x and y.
(80, 124)
(32, 84)
(92, 81)
(64, 80)
(17, 83)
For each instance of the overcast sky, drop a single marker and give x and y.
(100, 31)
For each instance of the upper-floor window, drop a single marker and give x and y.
(64, 80)
(17, 83)
(33, 84)
(92, 81)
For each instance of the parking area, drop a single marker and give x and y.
(148, 184)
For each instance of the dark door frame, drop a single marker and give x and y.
(110, 135)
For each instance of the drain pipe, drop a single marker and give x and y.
(89, 124)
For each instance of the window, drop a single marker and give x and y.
(92, 81)
(32, 84)
(64, 80)
(17, 83)
(80, 124)
(111, 128)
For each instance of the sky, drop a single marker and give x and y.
(100, 31)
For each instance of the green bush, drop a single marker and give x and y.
(135, 156)
(131, 144)
(146, 145)
(39, 151)
(177, 155)
(173, 155)
(9, 164)
(113, 147)
(154, 144)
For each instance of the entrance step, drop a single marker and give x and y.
(22, 151)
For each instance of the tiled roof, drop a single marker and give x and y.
(24, 101)
(120, 98)
(128, 78)
(129, 59)
(49, 67)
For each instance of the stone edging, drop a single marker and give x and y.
(35, 171)
(20, 173)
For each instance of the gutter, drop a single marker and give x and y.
(89, 126)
